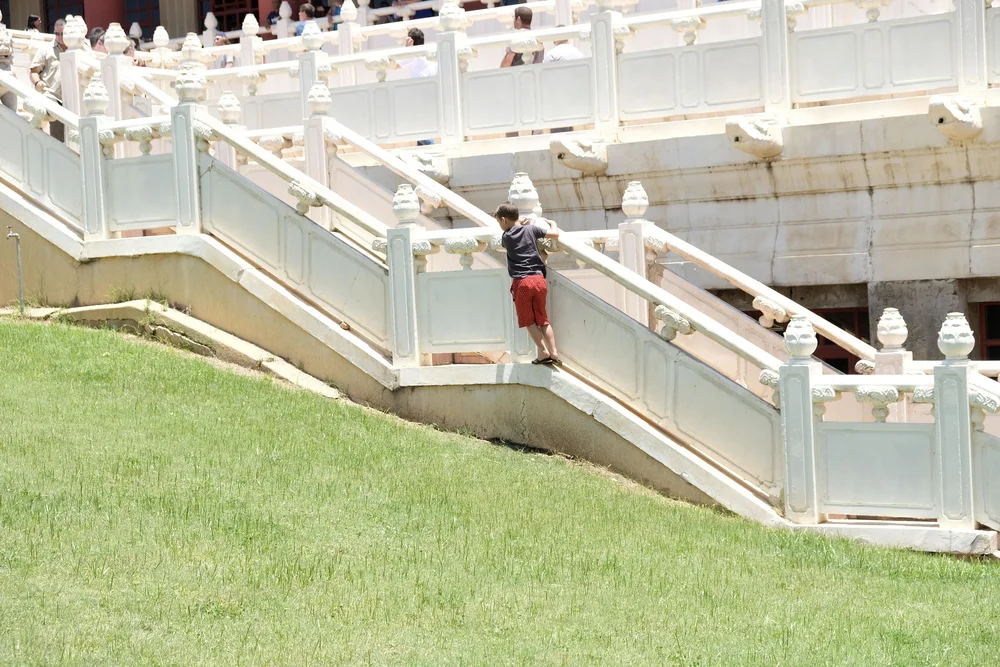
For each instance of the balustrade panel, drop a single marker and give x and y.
(886, 470)
(464, 311)
(692, 79)
(140, 193)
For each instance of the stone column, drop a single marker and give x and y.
(347, 32)
(923, 304)
(230, 113)
(309, 63)
(632, 248)
(208, 37)
(953, 423)
(190, 89)
(605, 54)
(114, 69)
(74, 34)
(403, 278)
(971, 40)
(92, 165)
(248, 44)
(774, 24)
(798, 428)
(893, 358)
(315, 146)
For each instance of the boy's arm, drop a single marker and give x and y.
(508, 58)
(554, 230)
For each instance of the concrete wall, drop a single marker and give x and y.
(515, 413)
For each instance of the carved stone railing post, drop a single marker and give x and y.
(250, 43)
(798, 421)
(230, 113)
(347, 33)
(605, 54)
(450, 45)
(315, 146)
(632, 248)
(403, 277)
(892, 359)
(774, 25)
(93, 167)
(74, 35)
(283, 28)
(115, 69)
(953, 422)
(971, 40)
(190, 89)
(211, 24)
(309, 63)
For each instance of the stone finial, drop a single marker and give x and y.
(892, 331)
(756, 135)
(312, 36)
(6, 45)
(873, 7)
(523, 195)
(191, 48)
(451, 17)
(95, 98)
(74, 33)
(135, 30)
(229, 108)
(583, 155)
(405, 205)
(211, 23)
(349, 12)
(319, 100)
(250, 26)
(190, 85)
(689, 27)
(955, 339)
(161, 39)
(606, 5)
(115, 40)
(285, 10)
(800, 338)
(635, 201)
(957, 118)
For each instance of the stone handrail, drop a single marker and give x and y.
(659, 19)
(321, 195)
(400, 168)
(147, 88)
(759, 290)
(35, 101)
(690, 316)
(579, 31)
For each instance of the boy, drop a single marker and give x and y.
(527, 272)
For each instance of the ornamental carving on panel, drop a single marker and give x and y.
(770, 311)
(673, 323)
(142, 134)
(759, 136)
(880, 397)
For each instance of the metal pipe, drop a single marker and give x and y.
(20, 280)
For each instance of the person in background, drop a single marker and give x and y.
(96, 38)
(7, 97)
(306, 13)
(34, 23)
(334, 12)
(226, 59)
(133, 48)
(275, 15)
(418, 68)
(522, 21)
(45, 73)
(563, 50)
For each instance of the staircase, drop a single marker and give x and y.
(663, 382)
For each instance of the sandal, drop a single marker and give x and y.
(547, 361)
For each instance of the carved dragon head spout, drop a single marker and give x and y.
(957, 118)
(756, 135)
(583, 155)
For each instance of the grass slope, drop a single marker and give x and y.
(156, 510)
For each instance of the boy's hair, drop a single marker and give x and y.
(417, 35)
(523, 13)
(507, 211)
(308, 10)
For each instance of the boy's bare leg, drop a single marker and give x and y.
(536, 335)
(549, 338)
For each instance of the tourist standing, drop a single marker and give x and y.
(45, 74)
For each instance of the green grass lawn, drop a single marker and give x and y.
(157, 510)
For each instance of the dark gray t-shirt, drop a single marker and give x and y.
(521, 244)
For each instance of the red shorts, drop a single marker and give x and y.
(529, 300)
